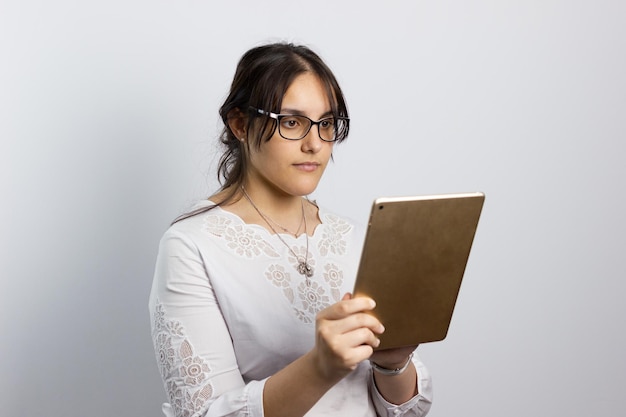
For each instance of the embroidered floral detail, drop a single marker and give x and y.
(177, 398)
(194, 369)
(159, 319)
(301, 254)
(198, 400)
(281, 279)
(334, 278)
(185, 374)
(216, 225)
(319, 293)
(186, 404)
(241, 238)
(333, 240)
(165, 353)
(325, 285)
(303, 316)
(246, 242)
(174, 328)
(313, 296)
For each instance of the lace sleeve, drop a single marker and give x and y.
(191, 341)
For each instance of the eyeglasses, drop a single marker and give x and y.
(296, 127)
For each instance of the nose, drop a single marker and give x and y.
(312, 142)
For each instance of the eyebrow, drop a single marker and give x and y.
(301, 113)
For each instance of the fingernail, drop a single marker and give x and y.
(372, 303)
(377, 342)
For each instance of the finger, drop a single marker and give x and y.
(346, 308)
(338, 336)
(359, 354)
(353, 347)
(345, 342)
(357, 321)
(361, 336)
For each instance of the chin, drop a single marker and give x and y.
(304, 189)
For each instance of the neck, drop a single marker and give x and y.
(280, 215)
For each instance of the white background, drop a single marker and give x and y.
(108, 126)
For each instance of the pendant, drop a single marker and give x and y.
(305, 269)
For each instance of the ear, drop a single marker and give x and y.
(237, 123)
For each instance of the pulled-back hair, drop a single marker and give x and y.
(262, 77)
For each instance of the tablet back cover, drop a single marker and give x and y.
(413, 261)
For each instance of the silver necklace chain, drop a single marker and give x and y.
(283, 228)
(303, 264)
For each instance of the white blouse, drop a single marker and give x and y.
(229, 309)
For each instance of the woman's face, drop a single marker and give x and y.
(293, 167)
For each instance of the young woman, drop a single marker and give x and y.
(250, 304)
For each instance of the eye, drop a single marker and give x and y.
(291, 122)
(327, 123)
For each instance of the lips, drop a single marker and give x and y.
(308, 166)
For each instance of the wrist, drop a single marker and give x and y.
(391, 371)
(323, 371)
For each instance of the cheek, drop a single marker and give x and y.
(268, 158)
(328, 152)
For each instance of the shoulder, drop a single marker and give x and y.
(201, 220)
(327, 214)
(338, 224)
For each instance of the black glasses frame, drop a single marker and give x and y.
(278, 117)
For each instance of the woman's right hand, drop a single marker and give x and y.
(345, 336)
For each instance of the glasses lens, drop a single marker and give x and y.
(293, 127)
(327, 129)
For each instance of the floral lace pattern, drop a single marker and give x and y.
(334, 278)
(306, 297)
(245, 241)
(333, 240)
(186, 384)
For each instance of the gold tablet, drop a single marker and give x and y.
(413, 261)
